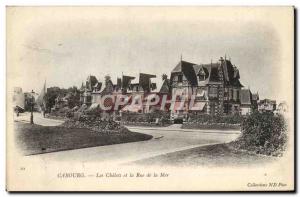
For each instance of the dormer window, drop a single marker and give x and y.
(175, 79)
(201, 75)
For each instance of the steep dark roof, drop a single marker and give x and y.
(246, 97)
(108, 89)
(231, 74)
(187, 68)
(213, 70)
(165, 87)
(90, 82)
(145, 82)
(92, 79)
(125, 82)
(177, 68)
(190, 71)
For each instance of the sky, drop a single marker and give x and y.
(65, 45)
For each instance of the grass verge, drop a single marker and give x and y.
(219, 155)
(36, 139)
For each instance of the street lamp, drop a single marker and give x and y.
(31, 107)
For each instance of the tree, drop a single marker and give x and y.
(53, 92)
(164, 76)
(51, 95)
(74, 99)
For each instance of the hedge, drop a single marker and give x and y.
(205, 118)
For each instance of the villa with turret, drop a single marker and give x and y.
(216, 87)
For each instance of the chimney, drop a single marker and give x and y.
(221, 59)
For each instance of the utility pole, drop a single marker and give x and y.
(32, 104)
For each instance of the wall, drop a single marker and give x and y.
(245, 110)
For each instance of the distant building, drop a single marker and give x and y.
(143, 86)
(266, 105)
(93, 90)
(141, 89)
(86, 90)
(282, 108)
(19, 99)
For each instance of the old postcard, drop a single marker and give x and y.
(150, 98)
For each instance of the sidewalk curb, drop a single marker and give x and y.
(187, 130)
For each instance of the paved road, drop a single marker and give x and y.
(165, 140)
(37, 119)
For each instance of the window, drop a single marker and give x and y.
(212, 109)
(236, 109)
(200, 92)
(175, 78)
(201, 77)
(88, 99)
(213, 92)
(179, 78)
(236, 95)
(231, 94)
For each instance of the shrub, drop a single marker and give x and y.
(205, 118)
(70, 114)
(146, 118)
(264, 133)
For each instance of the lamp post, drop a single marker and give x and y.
(31, 107)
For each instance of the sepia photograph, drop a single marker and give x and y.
(182, 98)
